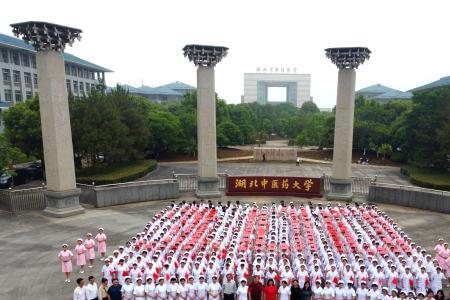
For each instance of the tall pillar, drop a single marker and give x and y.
(49, 40)
(347, 60)
(205, 58)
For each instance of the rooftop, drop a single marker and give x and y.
(394, 95)
(444, 81)
(178, 85)
(20, 44)
(171, 89)
(377, 89)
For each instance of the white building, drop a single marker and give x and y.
(18, 74)
(257, 85)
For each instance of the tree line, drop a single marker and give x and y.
(118, 126)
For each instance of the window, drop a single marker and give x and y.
(29, 95)
(26, 60)
(69, 87)
(27, 78)
(75, 87)
(85, 73)
(88, 87)
(92, 76)
(6, 76)
(16, 76)
(67, 68)
(82, 88)
(5, 56)
(80, 72)
(18, 95)
(15, 57)
(74, 71)
(33, 61)
(8, 95)
(35, 81)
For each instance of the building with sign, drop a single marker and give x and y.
(295, 88)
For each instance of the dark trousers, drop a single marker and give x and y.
(228, 296)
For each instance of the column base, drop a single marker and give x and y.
(62, 204)
(340, 189)
(208, 187)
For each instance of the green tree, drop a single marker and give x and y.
(23, 128)
(310, 107)
(232, 133)
(165, 132)
(426, 128)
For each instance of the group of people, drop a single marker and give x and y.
(199, 251)
(84, 251)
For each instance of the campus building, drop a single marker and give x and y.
(383, 93)
(257, 86)
(18, 73)
(172, 92)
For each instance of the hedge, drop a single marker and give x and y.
(427, 177)
(116, 173)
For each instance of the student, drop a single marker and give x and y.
(127, 289)
(139, 290)
(89, 244)
(65, 256)
(101, 242)
(242, 290)
(284, 291)
(80, 251)
(150, 289)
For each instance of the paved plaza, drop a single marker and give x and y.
(384, 173)
(31, 241)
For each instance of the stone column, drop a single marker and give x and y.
(62, 195)
(205, 58)
(346, 59)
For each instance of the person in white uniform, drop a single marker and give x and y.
(139, 290)
(150, 290)
(242, 290)
(284, 292)
(214, 289)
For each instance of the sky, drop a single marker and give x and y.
(142, 41)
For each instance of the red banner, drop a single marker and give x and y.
(274, 185)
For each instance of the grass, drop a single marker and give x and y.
(428, 177)
(115, 173)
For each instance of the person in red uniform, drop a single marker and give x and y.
(270, 291)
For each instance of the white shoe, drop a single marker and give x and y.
(90, 267)
(68, 280)
(102, 259)
(65, 280)
(82, 271)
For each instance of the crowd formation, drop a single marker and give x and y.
(200, 251)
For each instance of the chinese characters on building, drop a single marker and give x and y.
(270, 185)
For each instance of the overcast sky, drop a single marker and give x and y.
(141, 41)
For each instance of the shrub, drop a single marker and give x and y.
(115, 173)
(428, 177)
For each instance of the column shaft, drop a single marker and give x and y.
(206, 133)
(62, 196)
(341, 182)
(55, 121)
(345, 107)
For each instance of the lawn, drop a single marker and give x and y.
(115, 173)
(428, 177)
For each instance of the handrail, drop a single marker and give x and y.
(410, 187)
